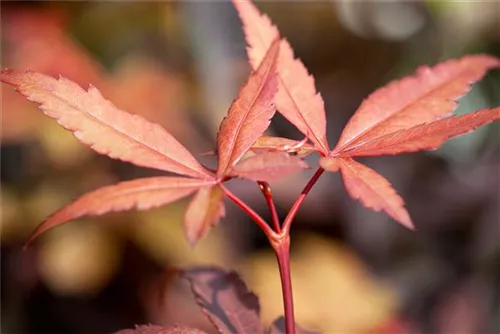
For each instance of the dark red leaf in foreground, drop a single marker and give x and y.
(371, 188)
(108, 130)
(427, 136)
(204, 211)
(250, 114)
(226, 300)
(278, 327)
(427, 96)
(297, 99)
(143, 194)
(269, 166)
(153, 329)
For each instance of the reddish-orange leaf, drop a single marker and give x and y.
(427, 96)
(225, 300)
(268, 166)
(297, 99)
(265, 143)
(142, 194)
(371, 188)
(250, 114)
(204, 211)
(427, 136)
(99, 124)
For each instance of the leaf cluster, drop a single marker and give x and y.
(407, 115)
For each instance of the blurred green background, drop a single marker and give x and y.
(180, 64)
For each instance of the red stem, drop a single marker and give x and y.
(279, 240)
(282, 249)
(266, 191)
(271, 235)
(293, 211)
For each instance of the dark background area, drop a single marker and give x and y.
(180, 64)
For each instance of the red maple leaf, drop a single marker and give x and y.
(407, 115)
(108, 130)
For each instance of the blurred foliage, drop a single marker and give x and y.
(179, 64)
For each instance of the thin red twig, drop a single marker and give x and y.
(282, 249)
(271, 235)
(266, 191)
(293, 211)
(280, 240)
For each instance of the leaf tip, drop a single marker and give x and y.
(39, 230)
(407, 222)
(35, 234)
(26, 245)
(193, 238)
(490, 61)
(192, 242)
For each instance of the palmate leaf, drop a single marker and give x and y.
(108, 130)
(268, 166)
(250, 114)
(427, 96)
(225, 300)
(97, 123)
(371, 188)
(142, 194)
(297, 99)
(204, 211)
(405, 116)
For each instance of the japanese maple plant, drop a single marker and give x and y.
(407, 115)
